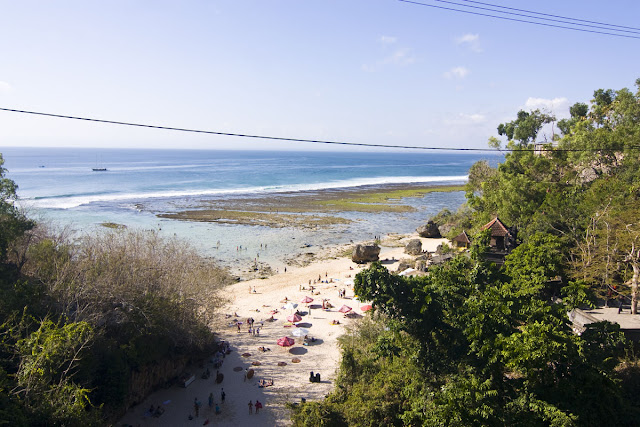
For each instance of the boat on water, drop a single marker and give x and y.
(99, 167)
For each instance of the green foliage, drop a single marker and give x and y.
(455, 222)
(315, 414)
(534, 263)
(49, 359)
(472, 345)
(577, 294)
(468, 345)
(13, 223)
(526, 127)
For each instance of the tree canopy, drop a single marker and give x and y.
(472, 344)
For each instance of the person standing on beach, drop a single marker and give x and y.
(210, 400)
(222, 395)
(250, 407)
(258, 406)
(196, 406)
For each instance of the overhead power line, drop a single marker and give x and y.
(530, 14)
(543, 23)
(554, 16)
(278, 138)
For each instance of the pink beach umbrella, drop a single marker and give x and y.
(366, 307)
(293, 318)
(345, 309)
(306, 300)
(286, 342)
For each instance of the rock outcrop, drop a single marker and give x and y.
(365, 253)
(413, 247)
(430, 230)
(404, 264)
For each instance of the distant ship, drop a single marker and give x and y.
(98, 167)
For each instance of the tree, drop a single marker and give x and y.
(49, 358)
(578, 111)
(524, 130)
(13, 223)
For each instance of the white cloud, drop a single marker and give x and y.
(470, 40)
(4, 87)
(474, 118)
(467, 38)
(387, 40)
(464, 119)
(554, 105)
(400, 57)
(457, 72)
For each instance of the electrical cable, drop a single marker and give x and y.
(316, 141)
(535, 17)
(548, 14)
(518, 20)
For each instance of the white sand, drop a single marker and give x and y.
(291, 382)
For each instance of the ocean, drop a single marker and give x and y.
(59, 185)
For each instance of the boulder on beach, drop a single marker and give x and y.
(404, 264)
(413, 247)
(429, 230)
(365, 253)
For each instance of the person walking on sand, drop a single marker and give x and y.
(222, 395)
(210, 400)
(250, 407)
(196, 406)
(258, 406)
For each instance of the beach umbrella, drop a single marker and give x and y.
(286, 342)
(366, 307)
(293, 318)
(290, 305)
(300, 332)
(306, 300)
(344, 309)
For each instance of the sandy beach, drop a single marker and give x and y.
(288, 368)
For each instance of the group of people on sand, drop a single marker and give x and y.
(156, 411)
(213, 406)
(257, 405)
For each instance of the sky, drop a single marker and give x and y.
(364, 71)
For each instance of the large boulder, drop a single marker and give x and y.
(430, 230)
(413, 247)
(365, 253)
(404, 264)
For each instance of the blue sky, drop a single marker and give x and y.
(365, 71)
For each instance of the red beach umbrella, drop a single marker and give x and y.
(306, 300)
(345, 309)
(286, 342)
(366, 307)
(293, 318)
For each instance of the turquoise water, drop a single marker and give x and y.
(59, 185)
